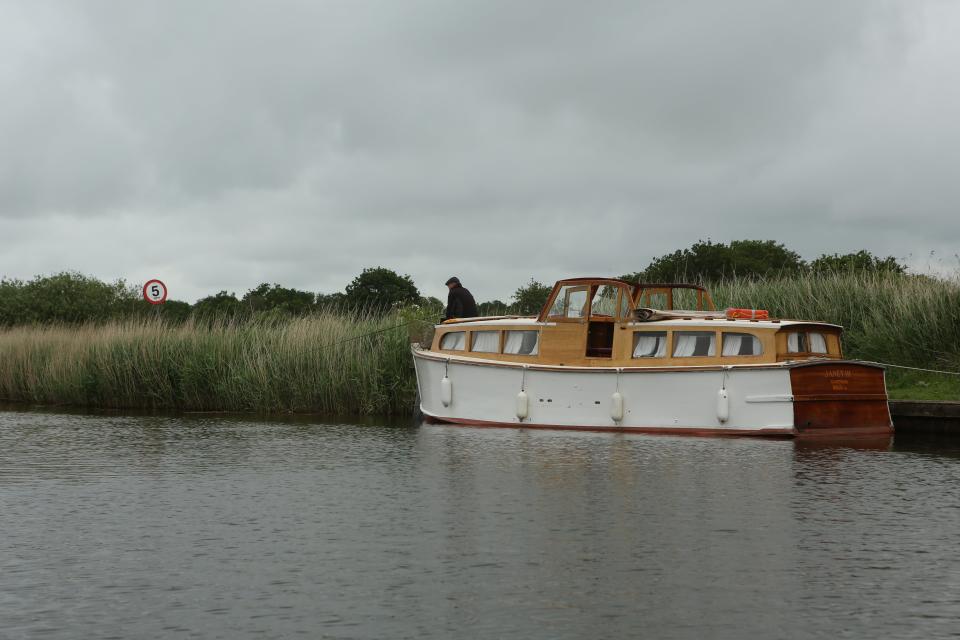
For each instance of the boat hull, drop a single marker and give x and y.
(722, 401)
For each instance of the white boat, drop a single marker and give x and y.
(605, 354)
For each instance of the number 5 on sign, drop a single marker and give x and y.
(155, 292)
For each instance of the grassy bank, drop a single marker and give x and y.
(313, 364)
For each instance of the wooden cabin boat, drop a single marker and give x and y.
(605, 354)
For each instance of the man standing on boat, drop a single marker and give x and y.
(460, 302)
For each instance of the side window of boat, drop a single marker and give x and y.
(741, 344)
(806, 342)
(649, 344)
(694, 344)
(453, 341)
(522, 343)
(570, 302)
(817, 342)
(797, 342)
(485, 341)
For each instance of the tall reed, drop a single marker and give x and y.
(901, 319)
(331, 363)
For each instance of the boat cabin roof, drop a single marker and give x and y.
(520, 322)
(578, 297)
(635, 286)
(615, 299)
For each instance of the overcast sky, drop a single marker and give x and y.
(220, 144)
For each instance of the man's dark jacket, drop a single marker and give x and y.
(460, 304)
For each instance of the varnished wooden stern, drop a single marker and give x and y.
(840, 398)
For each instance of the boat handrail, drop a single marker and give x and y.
(474, 319)
(645, 314)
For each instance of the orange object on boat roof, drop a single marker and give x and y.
(748, 314)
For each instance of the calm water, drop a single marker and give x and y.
(146, 527)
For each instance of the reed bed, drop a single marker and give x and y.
(888, 317)
(897, 319)
(359, 364)
(333, 363)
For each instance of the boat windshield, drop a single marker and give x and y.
(571, 302)
(669, 297)
(604, 301)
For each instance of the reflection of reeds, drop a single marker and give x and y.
(310, 364)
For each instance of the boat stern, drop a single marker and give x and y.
(840, 397)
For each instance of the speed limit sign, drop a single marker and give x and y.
(155, 292)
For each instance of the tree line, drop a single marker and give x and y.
(74, 298)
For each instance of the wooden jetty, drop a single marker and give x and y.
(915, 416)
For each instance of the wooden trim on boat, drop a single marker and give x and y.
(847, 397)
(460, 358)
(484, 318)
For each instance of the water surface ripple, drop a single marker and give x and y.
(163, 527)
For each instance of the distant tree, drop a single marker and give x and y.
(492, 308)
(221, 305)
(531, 297)
(66, 297)
(330, 301)
(706, 260)
(11, 302)
(432, 303)
(380, 288)
(860, 261)
(279, 299)
(175, 311)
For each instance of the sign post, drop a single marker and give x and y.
(155, 292)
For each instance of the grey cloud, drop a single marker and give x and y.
(228, 143)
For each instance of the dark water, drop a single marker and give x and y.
(146, 527)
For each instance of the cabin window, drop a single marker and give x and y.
(485, 342)
(741, 344)
(694, 344)
(571, 302)
(453, 341)
(522, 343)
(806, 342)
(649, 344)
(604, 301)
(818, 344)
(797, 342)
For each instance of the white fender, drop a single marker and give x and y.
(523, 405)
(616, 407)
(723, 405)
(446, 391)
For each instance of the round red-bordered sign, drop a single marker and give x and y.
(155, 292)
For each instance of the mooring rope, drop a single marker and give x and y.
(373, 333)
(901, 366)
